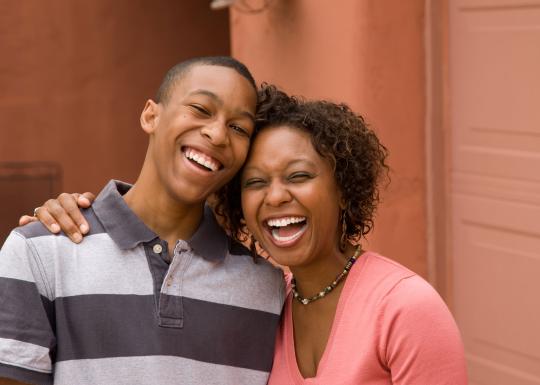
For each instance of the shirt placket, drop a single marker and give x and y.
(171, 311)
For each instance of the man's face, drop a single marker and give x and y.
(200, 137)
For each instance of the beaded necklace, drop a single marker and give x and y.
(329, 288)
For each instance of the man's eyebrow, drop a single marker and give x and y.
(218, 100)
(248, 115)
(210, 94)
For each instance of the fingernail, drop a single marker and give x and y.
(77, 237)
(84, 228)
(55, 228)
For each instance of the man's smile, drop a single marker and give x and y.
(202, 160)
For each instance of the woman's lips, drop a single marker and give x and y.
(286, 231)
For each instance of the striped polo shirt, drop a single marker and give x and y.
(117, 309)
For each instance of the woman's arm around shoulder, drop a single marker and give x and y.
(63, 214)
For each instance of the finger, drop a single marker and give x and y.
(86, 199)
(25, 219)
(44, 217)
(58, 212)
(70, 204)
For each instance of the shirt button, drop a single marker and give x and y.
(157, 248)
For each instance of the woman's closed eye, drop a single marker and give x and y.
(299, 177)
(254, 183)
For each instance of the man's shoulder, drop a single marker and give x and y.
(38, 229)
(242, 255)
(32, 230)
(255, 267)
(236, 248)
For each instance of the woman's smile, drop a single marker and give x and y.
(287, 230)
(290, 197)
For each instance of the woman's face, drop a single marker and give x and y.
(290, 198)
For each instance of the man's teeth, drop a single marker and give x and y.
(282, 222)
(202, 159)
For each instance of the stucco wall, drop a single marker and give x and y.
(369, 54)
(74, 76)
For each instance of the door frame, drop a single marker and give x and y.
(438, 141)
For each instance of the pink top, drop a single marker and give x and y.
(390, 327)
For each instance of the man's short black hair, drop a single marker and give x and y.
(180, 69)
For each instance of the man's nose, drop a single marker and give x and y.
(216, 132)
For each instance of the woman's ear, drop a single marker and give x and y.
(342, 202)
(150, 116)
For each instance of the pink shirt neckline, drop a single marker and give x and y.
(290, 347)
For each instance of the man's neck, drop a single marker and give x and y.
(169, 219)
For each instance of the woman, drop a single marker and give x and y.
(306, 195)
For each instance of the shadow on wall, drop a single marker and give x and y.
(22, 184)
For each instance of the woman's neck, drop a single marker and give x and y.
(313, 278)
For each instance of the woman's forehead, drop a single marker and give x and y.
(280, 146)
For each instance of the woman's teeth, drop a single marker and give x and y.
(286, 229)
(281, 222)
(202, 159)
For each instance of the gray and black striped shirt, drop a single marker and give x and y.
(114, 310)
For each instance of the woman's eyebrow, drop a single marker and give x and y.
(289, 164)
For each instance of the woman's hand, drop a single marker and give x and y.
(63, 213)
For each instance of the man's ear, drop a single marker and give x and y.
(150, 116)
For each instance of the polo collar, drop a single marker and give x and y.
(127, 230)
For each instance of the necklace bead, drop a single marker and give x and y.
(327, 289)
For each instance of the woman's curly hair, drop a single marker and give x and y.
(338, 135)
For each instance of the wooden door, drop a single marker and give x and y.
(495, 186)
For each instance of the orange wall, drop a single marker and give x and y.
(75, 74)
(369, 54)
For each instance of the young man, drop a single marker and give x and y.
(157, 293)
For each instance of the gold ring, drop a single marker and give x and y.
(36, 210)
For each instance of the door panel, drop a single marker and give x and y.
(495, 186)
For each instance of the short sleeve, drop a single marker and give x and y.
(27, 339)
(420, 341)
